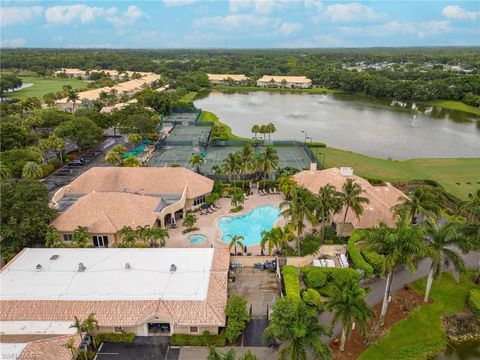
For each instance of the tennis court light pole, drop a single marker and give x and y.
(305, 136)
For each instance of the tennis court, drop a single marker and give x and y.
(181, 118)
(169, 155)
(181, 133)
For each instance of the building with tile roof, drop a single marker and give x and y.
(48, 347)
(148, 292)
(284, 81)
(105, 199)
(382, 198)
(224, 79)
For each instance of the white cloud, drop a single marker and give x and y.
(289, 28)
(128, 17)
(173, 3)
(314, 4)
(65, 14)
(18, 15)
(455, 12)
(352, 12)
(17, 42)
(396, 27)
(260, 6)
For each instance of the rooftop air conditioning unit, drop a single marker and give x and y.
(346, 171)
(38, 267)
(81, 267)
(128, 266)
(54, 257)
(173, 268)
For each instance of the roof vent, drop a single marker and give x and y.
(346, 171)
(128, 266)
(38, 267)
(81, 267)
(54, 257)
(125, 189)
(173, 268)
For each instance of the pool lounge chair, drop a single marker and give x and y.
(271, 191)
(212, 208)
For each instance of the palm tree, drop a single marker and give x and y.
(58, 144)
(52, 238)
(31, 170)
(276, 237)
(286, 184)
(72, 96)
(128, 236)
(234, 241)
(297, 324)
(196, 161)
(134, 139)
(158, 235)
(5, 173)
(70, 345)
(470, 209)
(255, 130)
(440, 240)
(299, 209)
(248, 160)
(404, 245)
(113, 157)
(268, 161)
(347, 305)
(232, 164)
(351, 199)
(78, 325)
(237, 198)
(80, 236)
(143, 233)
(271, 129)
(328, 203)
(189, 221)
(422, 202)
(90, 324)
(131, 161)
(217, 170)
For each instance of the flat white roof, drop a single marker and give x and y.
(11, 350)
(36, 327)
(105, 276)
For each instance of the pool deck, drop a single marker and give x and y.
(207, 224)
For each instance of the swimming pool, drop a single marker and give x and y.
(196, 239)
(250, 225)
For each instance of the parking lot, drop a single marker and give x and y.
(136, 351)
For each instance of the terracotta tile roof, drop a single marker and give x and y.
(93, 94)
(153, 180)
(134, 312)
(290, 79)
(382, 198)
(49, 349)
(223, 77)
(108, 212)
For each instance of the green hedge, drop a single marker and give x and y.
(316, 279)
(336, 275)
(115, 337)
(373, 259)
(237, 317)
(291, 281)
(355, 254)
(312, 297)
(474, 301)
(421, 351)
(198, 340)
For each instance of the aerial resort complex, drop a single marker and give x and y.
(222, 180)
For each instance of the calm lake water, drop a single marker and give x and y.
(353, 123)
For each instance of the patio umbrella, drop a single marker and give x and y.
(140, 148)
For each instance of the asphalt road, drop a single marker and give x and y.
(400, 278)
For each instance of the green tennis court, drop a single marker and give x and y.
(181, 133)
(180, 118)
(169, 155)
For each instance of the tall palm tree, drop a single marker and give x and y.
(237, 198)
(248, 160)
(286, 184)
(128, 236)
(70, 345)
(78, 325)
(328, 203)
(58, 144)
(470, 208)
(80, 236)
(422, 203)
(268, 161)
(351, 199)
(72, 96)
(347, 305)
(31, 170)
(232, 164)
(271, 129)
(255, 130)
(113, 157)
(297, 325)
(440, 240)
(404, 245)
(90, 324)
(158, 235)
(143, 233)
(52, 238)
(299, 209)
(277, 238)
(197, 160)
(234, 241)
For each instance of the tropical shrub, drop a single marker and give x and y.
(237, 317)
(312, 297)
(356, 256)
(337, 275)
(474, 301)
(291, 281)
(198, 340)
(47, 169)
(374, 259)
(310, 244)
(316, 279)
(123, 337)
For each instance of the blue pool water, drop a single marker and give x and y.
(250, 225)
(196, 239)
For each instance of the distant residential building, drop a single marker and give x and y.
(105, 199)
(119, 106)
(148, 292)
(382, 198)
(284, 81)
(226, 79)
(72, 73)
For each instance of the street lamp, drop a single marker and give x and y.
(305, 136)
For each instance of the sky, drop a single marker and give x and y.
(238, 23)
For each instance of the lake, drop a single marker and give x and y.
(375, 128)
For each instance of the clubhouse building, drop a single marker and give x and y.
(381, 198)
(105, 199)
(148, 292)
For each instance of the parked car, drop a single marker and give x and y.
(76, 163)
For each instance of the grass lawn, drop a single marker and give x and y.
(448, 172)
(226, 130)
(455, 105)
(314, 90)
(41, 86)
(189, 96)
(422, 331)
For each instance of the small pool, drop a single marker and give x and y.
(196, 239)
(250, 225)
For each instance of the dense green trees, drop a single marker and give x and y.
(9, 82)
(82, 130)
